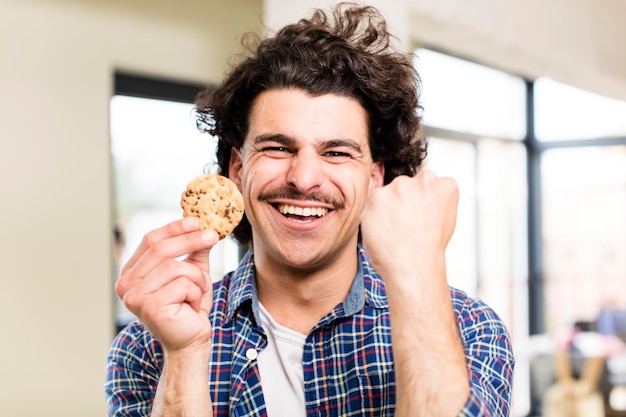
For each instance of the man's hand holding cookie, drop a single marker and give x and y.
(166, 282)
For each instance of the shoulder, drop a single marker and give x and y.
(467, 307)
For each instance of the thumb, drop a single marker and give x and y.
(207, 300)
(202, 260)
(201, 257)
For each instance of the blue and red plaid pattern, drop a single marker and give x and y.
(347, 359)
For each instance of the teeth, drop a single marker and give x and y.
(300, 211)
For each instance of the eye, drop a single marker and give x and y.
(336, 156)
(277, 151)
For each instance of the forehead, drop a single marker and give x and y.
(301, 116)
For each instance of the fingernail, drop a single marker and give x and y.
(191, 222)
(209, 235)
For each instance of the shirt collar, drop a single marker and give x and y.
(367, 287)
(242, 285)
(372, 287)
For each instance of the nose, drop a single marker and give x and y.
(306, 171)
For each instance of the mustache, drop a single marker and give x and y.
(291, 194)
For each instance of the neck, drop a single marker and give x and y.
(298, 298)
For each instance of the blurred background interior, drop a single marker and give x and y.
(525, 105)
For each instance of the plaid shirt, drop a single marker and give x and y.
(347, 359)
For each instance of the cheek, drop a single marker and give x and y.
(248, 182)
(362, 191)
(257, 174)
(269, 167)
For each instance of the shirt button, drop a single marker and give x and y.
(251, 354)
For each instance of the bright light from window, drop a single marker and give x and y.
(156, 150)
(563, 112)
(466, 97)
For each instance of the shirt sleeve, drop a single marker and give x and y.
(133, 367)
(489, 357)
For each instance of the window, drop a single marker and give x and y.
(541, 232)
(563, 112)
(583, 195)
(464, 102)
(457, 159)
(466, 97)
(584, 233)
(156, 149)
(475, 120)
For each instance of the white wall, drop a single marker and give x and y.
(57, 60)
(579, 42)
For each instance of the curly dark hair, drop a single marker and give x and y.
(347, 53)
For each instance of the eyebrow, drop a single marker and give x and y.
(290, 142)
(342, 143)
(273, 137)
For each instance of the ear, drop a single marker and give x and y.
(235, 166)
(377, 179)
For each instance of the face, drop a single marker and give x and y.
(305, 171)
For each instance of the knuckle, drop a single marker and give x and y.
(158, 250)
(131, 301)
(149, 239)
(122, 285)
(452, 185)
(185, 284)
(150, 308)
(169, 267)
(427, 174)
(120, 288)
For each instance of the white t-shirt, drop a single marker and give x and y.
(280, 366)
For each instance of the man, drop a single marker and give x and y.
(340, 307)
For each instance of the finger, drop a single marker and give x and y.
(197, 243)
(451, 187)
(426, 174)
(166, 302)
(430, 179)
(201, 257)
(206, 302)
(176, 228)
(192, 294)
(160, 276)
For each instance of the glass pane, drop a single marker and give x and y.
(466, 97)
(584, 233)
(563, 112)
(487, 255)
(502, 230)
(156, 149)
(502, 249)
(490, 236)
(458, 160)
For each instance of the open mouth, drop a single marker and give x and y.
(301, 212)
